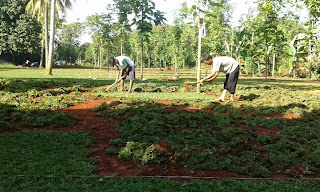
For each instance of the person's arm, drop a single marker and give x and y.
(215, 76)
(210, 77)
(118, 75)
(127, 68)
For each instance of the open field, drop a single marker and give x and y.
(65, 133)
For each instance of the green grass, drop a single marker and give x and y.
(199, 141)
(9, 66)
(56, 161)
(39, 161)
(45, 153)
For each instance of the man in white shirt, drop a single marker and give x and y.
(126, 66)
(227, 65)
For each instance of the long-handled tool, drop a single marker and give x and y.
(185, 84)
(114, 84)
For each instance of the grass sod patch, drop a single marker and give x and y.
(45, 153)
(143, 184)
(33, 118)
(34, 94)
(199, 141)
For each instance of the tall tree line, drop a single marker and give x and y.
(136, 29)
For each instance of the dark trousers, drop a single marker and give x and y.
(231, 81)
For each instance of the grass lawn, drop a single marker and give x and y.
(274, 125)
(56, 161)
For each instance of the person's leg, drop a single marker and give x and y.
(122, 80)
(225, 86)
(232, 82)
(130, 86)
(221, 98)
(121, 85)
(131, 76)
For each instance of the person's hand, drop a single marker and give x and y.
(124, 76)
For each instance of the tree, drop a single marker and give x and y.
(100, 29)
(198, 11)
(68, 41)
(122, 9)
(39, 8)
(313, 7)
(145, 15)
(18, 31)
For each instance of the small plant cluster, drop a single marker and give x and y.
(214, 140)
(140, 152)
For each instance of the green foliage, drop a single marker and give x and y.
(140, 152)
(20, 34)
(112, 151)
(68, 42)
(117, 142)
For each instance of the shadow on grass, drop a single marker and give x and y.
(200, 140)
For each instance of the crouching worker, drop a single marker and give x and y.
(125, 66)
(227, 65)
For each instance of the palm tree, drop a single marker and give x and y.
(41, 7)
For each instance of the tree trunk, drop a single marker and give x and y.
(52, 32)
(266, 62)
(199, 47)
(14, 58)
(121, 47)
(108, 67)
(141, 70)
(100, 57)
(252, 59)
(175, 60)
(46, 29)
(184, 64)
(273, 64)
(231, 47)
(42, 54)
(310, 51)
(259, 70)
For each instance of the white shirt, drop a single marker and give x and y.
(124, 61)
(224, 64)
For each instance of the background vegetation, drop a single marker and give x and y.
(263, 43)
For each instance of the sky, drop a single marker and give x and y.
(83, 8)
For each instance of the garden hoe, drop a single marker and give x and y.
(114, 84)
(185, 84)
